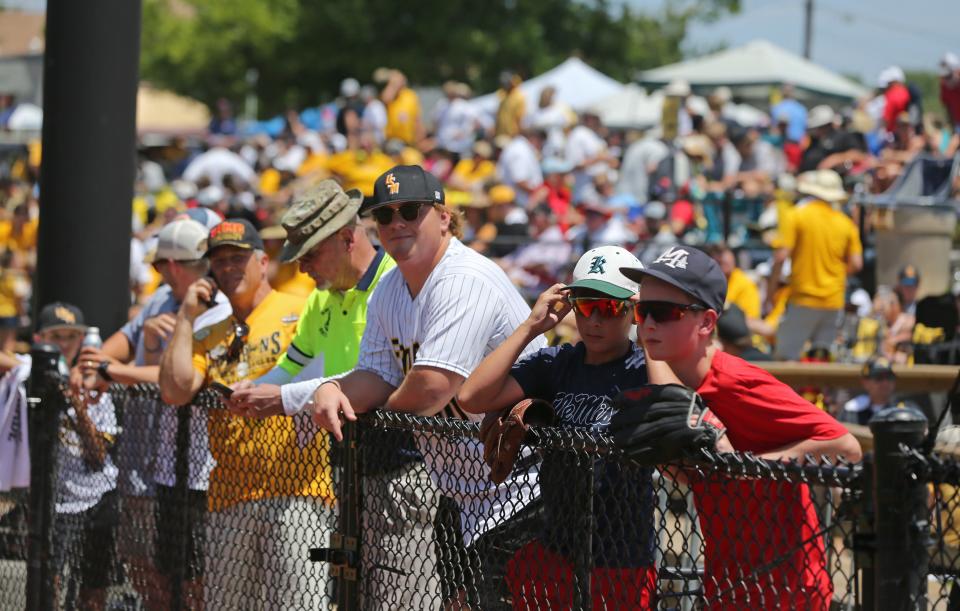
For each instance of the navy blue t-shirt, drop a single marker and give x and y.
(623, 499)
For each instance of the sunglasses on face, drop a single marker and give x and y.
(608, 308)
(663, 311)
(409, 212)
(240, 333)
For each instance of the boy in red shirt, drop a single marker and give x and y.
(763, 545)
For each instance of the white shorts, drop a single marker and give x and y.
(258, 555)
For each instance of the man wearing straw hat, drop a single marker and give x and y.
(824, 247)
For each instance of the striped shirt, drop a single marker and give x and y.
(466, 308)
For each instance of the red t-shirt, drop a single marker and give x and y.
(763, 545)
(950, 96)
(898, 99)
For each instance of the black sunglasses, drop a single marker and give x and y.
(663, 311)
(409, 212)
(240, 332)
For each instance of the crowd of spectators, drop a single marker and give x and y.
(535, 190)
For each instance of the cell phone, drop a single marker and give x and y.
(223, 389)
(213, 294)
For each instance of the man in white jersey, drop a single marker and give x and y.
(429, 324)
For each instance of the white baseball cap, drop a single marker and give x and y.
(181, 240)
(949, 63)
(599, 270)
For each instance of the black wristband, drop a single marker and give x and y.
(102, 370)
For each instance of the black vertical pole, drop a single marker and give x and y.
(807, 28)
(43, 423)
(583, 556)
(89, 147)
(349, 519)
(901, 514)
(181, 470)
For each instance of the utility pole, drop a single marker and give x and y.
(807, 27)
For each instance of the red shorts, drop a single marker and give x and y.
(541, 579)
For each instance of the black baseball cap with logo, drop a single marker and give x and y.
(689, 269)
(879, 367)
(60, 315)
(234, 232)
(404, 183)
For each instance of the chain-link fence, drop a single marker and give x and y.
(401, 515)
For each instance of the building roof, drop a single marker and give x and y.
(21, 33)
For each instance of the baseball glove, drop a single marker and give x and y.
(661, 423)
(503, 434)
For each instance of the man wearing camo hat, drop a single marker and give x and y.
(326, 239)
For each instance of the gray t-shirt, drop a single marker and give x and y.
(146, 453)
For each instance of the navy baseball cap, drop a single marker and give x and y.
(878, 367)
(404, 183)
(234, 232)
(60, 315)
(691, 270)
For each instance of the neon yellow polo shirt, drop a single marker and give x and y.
(332, 323)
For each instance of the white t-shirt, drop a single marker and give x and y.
(80, 488)
(14, 445)
(519, 163)
(457, 123)
(374, 119)
(465, 310)
(582, 144)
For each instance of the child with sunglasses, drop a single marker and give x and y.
(580, 381)
(763, 540)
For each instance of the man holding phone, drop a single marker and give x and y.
(265, 473)
(147, 447)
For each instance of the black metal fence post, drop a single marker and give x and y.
(349, 519)
(181, 471)
(343, 552)
(584, 520)
(865, 537)
(43, 421)
(900, 509)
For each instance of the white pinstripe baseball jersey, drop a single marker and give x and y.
(466, 308)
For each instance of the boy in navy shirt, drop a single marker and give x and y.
(580, 381)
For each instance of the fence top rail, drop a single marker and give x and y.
(813, 470)
(816, 470)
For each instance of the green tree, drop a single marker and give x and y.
(303, 48)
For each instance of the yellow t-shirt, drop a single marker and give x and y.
(25, 241)
(742, 292)
(513, 106)
(292, 281)
(785, 209)
(403, 115)
(259, 458)
(471, 172)
(12, 290)
(821, 240)
(359, 169)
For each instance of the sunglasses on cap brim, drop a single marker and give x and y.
(409, 211)
(663, 311)
(607, 307)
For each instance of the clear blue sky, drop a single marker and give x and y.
(857, 37)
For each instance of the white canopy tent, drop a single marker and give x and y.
(634, 108)
(577, 85)
(752, 69)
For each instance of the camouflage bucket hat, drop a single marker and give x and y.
(316, 214)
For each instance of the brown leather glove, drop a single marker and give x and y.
(503, 434)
